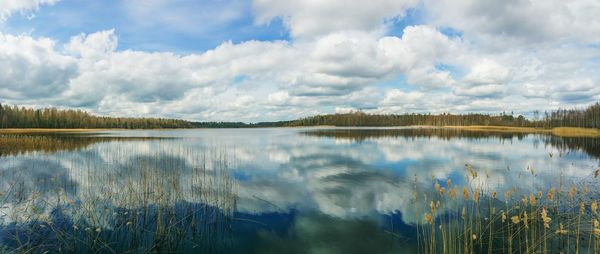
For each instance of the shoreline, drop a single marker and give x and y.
(557, 131)
(496, 128)
(570, 132)
(48, 131)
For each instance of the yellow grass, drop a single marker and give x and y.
(558, 131)
(500, 129)
(34, 131)
(576, 132)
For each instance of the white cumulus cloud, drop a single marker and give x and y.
(461, 56)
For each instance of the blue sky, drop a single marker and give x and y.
(184, 26)
(257, 60)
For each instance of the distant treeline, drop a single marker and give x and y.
(19, 117)
(363, 119)
(585, 118)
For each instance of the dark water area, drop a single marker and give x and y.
(272, 190)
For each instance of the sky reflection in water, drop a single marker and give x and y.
(294, 189)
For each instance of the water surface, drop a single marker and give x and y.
(272, 190)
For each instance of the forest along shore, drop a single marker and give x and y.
(557, 131)
(568, 123)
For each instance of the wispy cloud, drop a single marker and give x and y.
(8, 7)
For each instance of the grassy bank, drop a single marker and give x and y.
(508, 129)
(576, 132)
(43, 131)
(558, 131)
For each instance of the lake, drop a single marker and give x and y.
(271, 190)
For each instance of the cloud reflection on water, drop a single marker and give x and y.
(277, 170)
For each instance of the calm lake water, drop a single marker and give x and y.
(280, 190)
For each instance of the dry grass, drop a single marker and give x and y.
(475, 218)
(46, 131)
(576, 132)
(62, 131)
(558, 131)
(508, 129)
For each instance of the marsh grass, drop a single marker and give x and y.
(576, 132)
(475, 218)
(150, 203)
